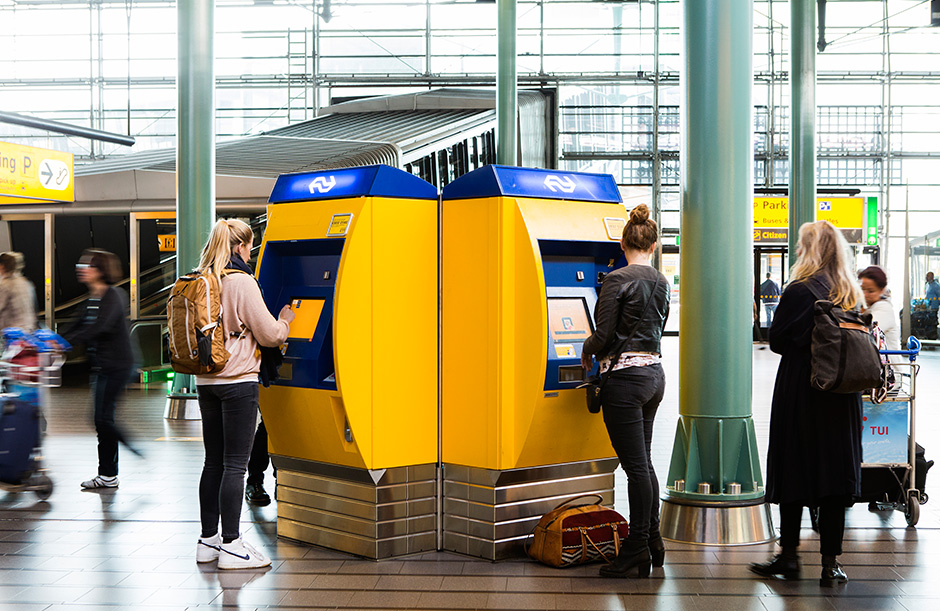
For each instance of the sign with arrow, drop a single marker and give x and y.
(34, 175)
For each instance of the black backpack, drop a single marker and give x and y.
(845, 357)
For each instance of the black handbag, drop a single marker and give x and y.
(595, 384)
(845, 358)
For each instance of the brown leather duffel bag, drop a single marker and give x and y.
(577, 534)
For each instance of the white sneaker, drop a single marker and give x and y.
(100, 481)
(241, 555)
(207, 548)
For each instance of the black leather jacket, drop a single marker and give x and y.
(621, 302)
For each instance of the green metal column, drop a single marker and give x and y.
(195, 149)
(715, 443)
(506, 97)
(802, 202)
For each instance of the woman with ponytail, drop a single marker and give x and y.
(228, 400)
(815, 451)
(629, 318)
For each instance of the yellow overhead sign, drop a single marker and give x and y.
(772, 218)
(167, 242)
(29, 174)
(843, 212)
(771, 212)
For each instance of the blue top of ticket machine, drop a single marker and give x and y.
(365, 181)
(496, 180)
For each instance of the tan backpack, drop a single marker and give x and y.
(194, 317)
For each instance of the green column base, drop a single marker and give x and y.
(719, 451)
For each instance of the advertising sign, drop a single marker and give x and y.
(35, 175)
(884, 432)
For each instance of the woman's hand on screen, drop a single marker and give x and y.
(286, 314)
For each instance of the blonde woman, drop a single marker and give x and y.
(228, 399)
(815, 452)
(17, 294)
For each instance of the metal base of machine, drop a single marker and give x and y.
(489, 514)
(371, 513)
(182, 407)
(717, 523)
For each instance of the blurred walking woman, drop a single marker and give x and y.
(629, 317)
(17, 294)
(815, 452)
(228, 399)
(102, 327)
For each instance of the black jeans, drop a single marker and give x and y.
(106, 388)
(630, 398)
(259, 461)
(229, 414)
(831, 524)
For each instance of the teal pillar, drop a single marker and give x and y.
(802, 201)
(715, 467)
(195, 152)
(506, 92)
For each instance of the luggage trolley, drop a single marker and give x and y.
(889, 442)
(29, 365)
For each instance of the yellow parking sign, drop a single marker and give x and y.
(34, 175)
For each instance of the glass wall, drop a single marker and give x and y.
(111, 65)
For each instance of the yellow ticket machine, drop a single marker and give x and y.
(353, 420)
(524, 253)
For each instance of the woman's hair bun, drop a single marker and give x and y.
(639, 215)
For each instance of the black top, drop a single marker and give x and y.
(621, 302)
(102, 327)
(815, 448)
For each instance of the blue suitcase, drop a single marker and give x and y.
(19, 435)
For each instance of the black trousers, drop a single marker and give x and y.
(229, 413)
(831, 524)
(106, 388)
(258, 461)
(630, 399)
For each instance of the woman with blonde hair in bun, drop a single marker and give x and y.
(629, 317)
(228, 400)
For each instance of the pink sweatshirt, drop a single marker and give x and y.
(244, 308)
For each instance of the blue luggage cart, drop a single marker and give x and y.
(26, 373)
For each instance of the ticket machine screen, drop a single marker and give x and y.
(568, 319)
(306, 316)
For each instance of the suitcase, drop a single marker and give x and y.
(19, 436)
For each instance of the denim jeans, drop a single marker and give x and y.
(106, 388)
(229, 415)
(630, 399)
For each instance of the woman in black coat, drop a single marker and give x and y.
(815, 451)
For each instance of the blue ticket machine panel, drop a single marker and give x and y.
(574, 273)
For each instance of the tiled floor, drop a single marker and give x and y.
(133, 548)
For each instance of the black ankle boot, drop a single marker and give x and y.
(785, 564)
(634, 554)
(832, 573)
(657, 550)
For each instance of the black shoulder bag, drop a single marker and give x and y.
(845, 358)
(595, 385)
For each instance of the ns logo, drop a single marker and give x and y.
(322, 184)
(560, 183)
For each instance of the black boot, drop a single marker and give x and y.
(657, 550)
(832, 573)
(635, 554)
(255, 494)
(785, 564)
